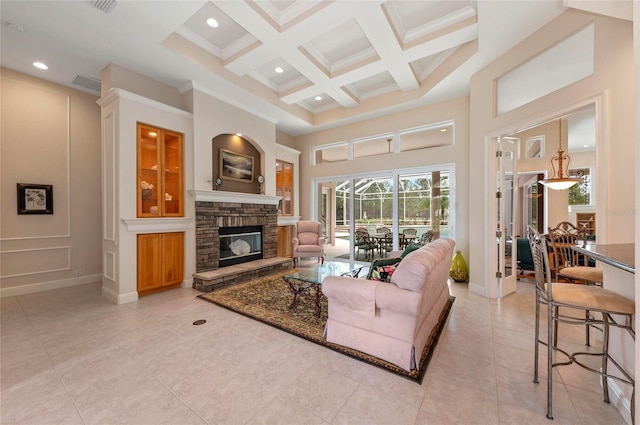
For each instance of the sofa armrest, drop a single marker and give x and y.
(390, 297)
(295, 242)
(358, 295)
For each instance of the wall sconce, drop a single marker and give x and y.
(260, 180)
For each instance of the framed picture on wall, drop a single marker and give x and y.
(236, 166)
(35, 198)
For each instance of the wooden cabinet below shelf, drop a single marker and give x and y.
(160, 261)
(285, 234)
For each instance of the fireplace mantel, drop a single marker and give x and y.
(237, 197)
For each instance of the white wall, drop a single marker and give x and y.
(50, 134)
(121, 111)
(212, 117)
(612, 82)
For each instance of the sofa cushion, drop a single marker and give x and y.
(412, 272)
(378, 266)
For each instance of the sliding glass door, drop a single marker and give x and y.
(400, 202)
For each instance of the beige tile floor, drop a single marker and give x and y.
(71, 357)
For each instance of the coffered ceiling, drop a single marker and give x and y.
(340, 61)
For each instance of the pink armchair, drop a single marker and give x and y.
(307, 241)
(393, 320)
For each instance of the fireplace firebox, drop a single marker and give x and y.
(240, 244)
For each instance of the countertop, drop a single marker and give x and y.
(621, 256)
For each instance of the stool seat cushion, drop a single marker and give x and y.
(591, 297)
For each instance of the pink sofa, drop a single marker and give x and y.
(392, 321)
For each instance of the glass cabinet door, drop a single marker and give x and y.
(172, 174)
(284, 186)
(148, 174)
(160, 186)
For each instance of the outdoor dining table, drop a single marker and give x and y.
(380, 239)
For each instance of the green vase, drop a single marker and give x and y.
(459, 270)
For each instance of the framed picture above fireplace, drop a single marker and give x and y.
(236, 166)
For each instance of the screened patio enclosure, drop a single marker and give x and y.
(418, 200)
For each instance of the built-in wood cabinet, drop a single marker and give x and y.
(160, 190)
(285, 248)
(284, 186)
(160, 261)
(586, 221)
(160, 193)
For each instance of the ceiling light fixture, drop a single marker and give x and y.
(40, 65)
(318, 97)
(442, 130)
(279, 70)
(212, 23)
(559, 181)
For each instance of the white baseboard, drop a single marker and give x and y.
(47, 286)
(618, 399)
(187, 283)
(477, 289)
(119, 298)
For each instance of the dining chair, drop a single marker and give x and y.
(363, 242)
(569, 265)
(404, 241)
(577, 297)
(385, 243)
(426, 237)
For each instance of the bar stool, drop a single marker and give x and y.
(580, 297)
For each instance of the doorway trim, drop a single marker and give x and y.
(490, 244)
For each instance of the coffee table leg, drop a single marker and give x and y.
(296, 289)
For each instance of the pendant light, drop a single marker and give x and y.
(559, 181)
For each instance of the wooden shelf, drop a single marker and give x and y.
(586, 221)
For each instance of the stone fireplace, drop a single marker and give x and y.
(212, 216)
(236, 238)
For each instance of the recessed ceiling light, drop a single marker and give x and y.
(318, 97)
(212, 23)
(40, 65)
(279, 70)
(443, 130)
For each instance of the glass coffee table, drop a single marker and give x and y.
(303, 281)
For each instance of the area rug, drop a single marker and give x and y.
(267, 299)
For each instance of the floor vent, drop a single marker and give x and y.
(104, 5)
(87, 83)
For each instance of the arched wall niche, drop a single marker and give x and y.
(237, 161)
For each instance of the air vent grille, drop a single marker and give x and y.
(104, 5)
(87, 83)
